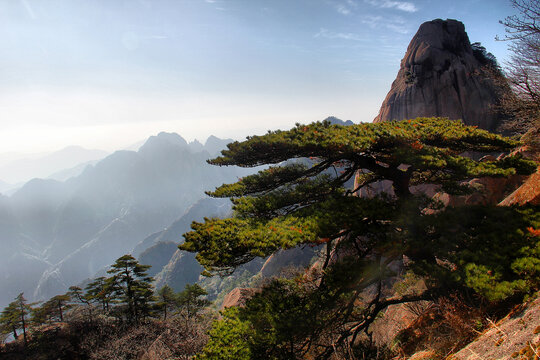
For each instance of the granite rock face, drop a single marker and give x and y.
(440, 75)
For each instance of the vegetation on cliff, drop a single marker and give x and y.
(366, 238)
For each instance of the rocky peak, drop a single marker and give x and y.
(441, 76)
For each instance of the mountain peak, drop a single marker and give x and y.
(214, 144)
(440, 75)
(163, 140)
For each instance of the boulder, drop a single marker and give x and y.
(238, 297)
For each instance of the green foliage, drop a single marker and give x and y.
(286, 206)
(486, 249)
(280, 316)
(15, 316)
(229, 338)
(166, 300)
(100, 290)
(57, 305)
(76, 294)
(190, 299)
(10, 319)
(52, 310)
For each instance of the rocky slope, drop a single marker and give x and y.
(442, 75)
(516, 336)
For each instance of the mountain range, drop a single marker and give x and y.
(55, 234)
(23, 168)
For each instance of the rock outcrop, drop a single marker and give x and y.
(528, 193)
(441, 75)
(238, 297)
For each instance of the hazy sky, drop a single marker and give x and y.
(105, 73)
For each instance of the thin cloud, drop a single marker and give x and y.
(344, 7)
(390, 4)
(371, 21)
(325, 33)
(155, 37)
(343, 10)
(398, 28)
(396, 24)
(29, 9)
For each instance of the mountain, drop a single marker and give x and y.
(24, 169)
(335, 121)
(180, 267)
(4, 187)
(71, 229)
(65, 174)
(442, 75)
(214, 145)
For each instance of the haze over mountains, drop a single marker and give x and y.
(25, 167)
(54, 234)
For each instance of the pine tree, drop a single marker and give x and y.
(76, 294)
(167, 300)
(294, 204)
(10, 319)
(15, 316)
(132, 286)
(56, 306)
(190, 299)
(100, 291)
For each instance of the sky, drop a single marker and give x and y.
(106, 73)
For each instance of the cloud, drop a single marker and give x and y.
(155, 37)
(398, 28)
(371, 21)
(215, 2)
(344, 7)
(325, 33)
(390, 4)
(343, 10)
(396, 23)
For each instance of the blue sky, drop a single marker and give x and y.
(105, 73)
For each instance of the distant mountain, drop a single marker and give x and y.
(4, 186)
(214, 145)
(24, 169)
(71, 229)
(335, 121)
(66, 174)
(178, 268)
(135, 146)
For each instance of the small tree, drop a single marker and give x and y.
(167, 300)
(100, 291)
(523, 68)
(132, 286)
(76, 294)
(10, 319)
(15, 316)
(56, 306)
(190, 299)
